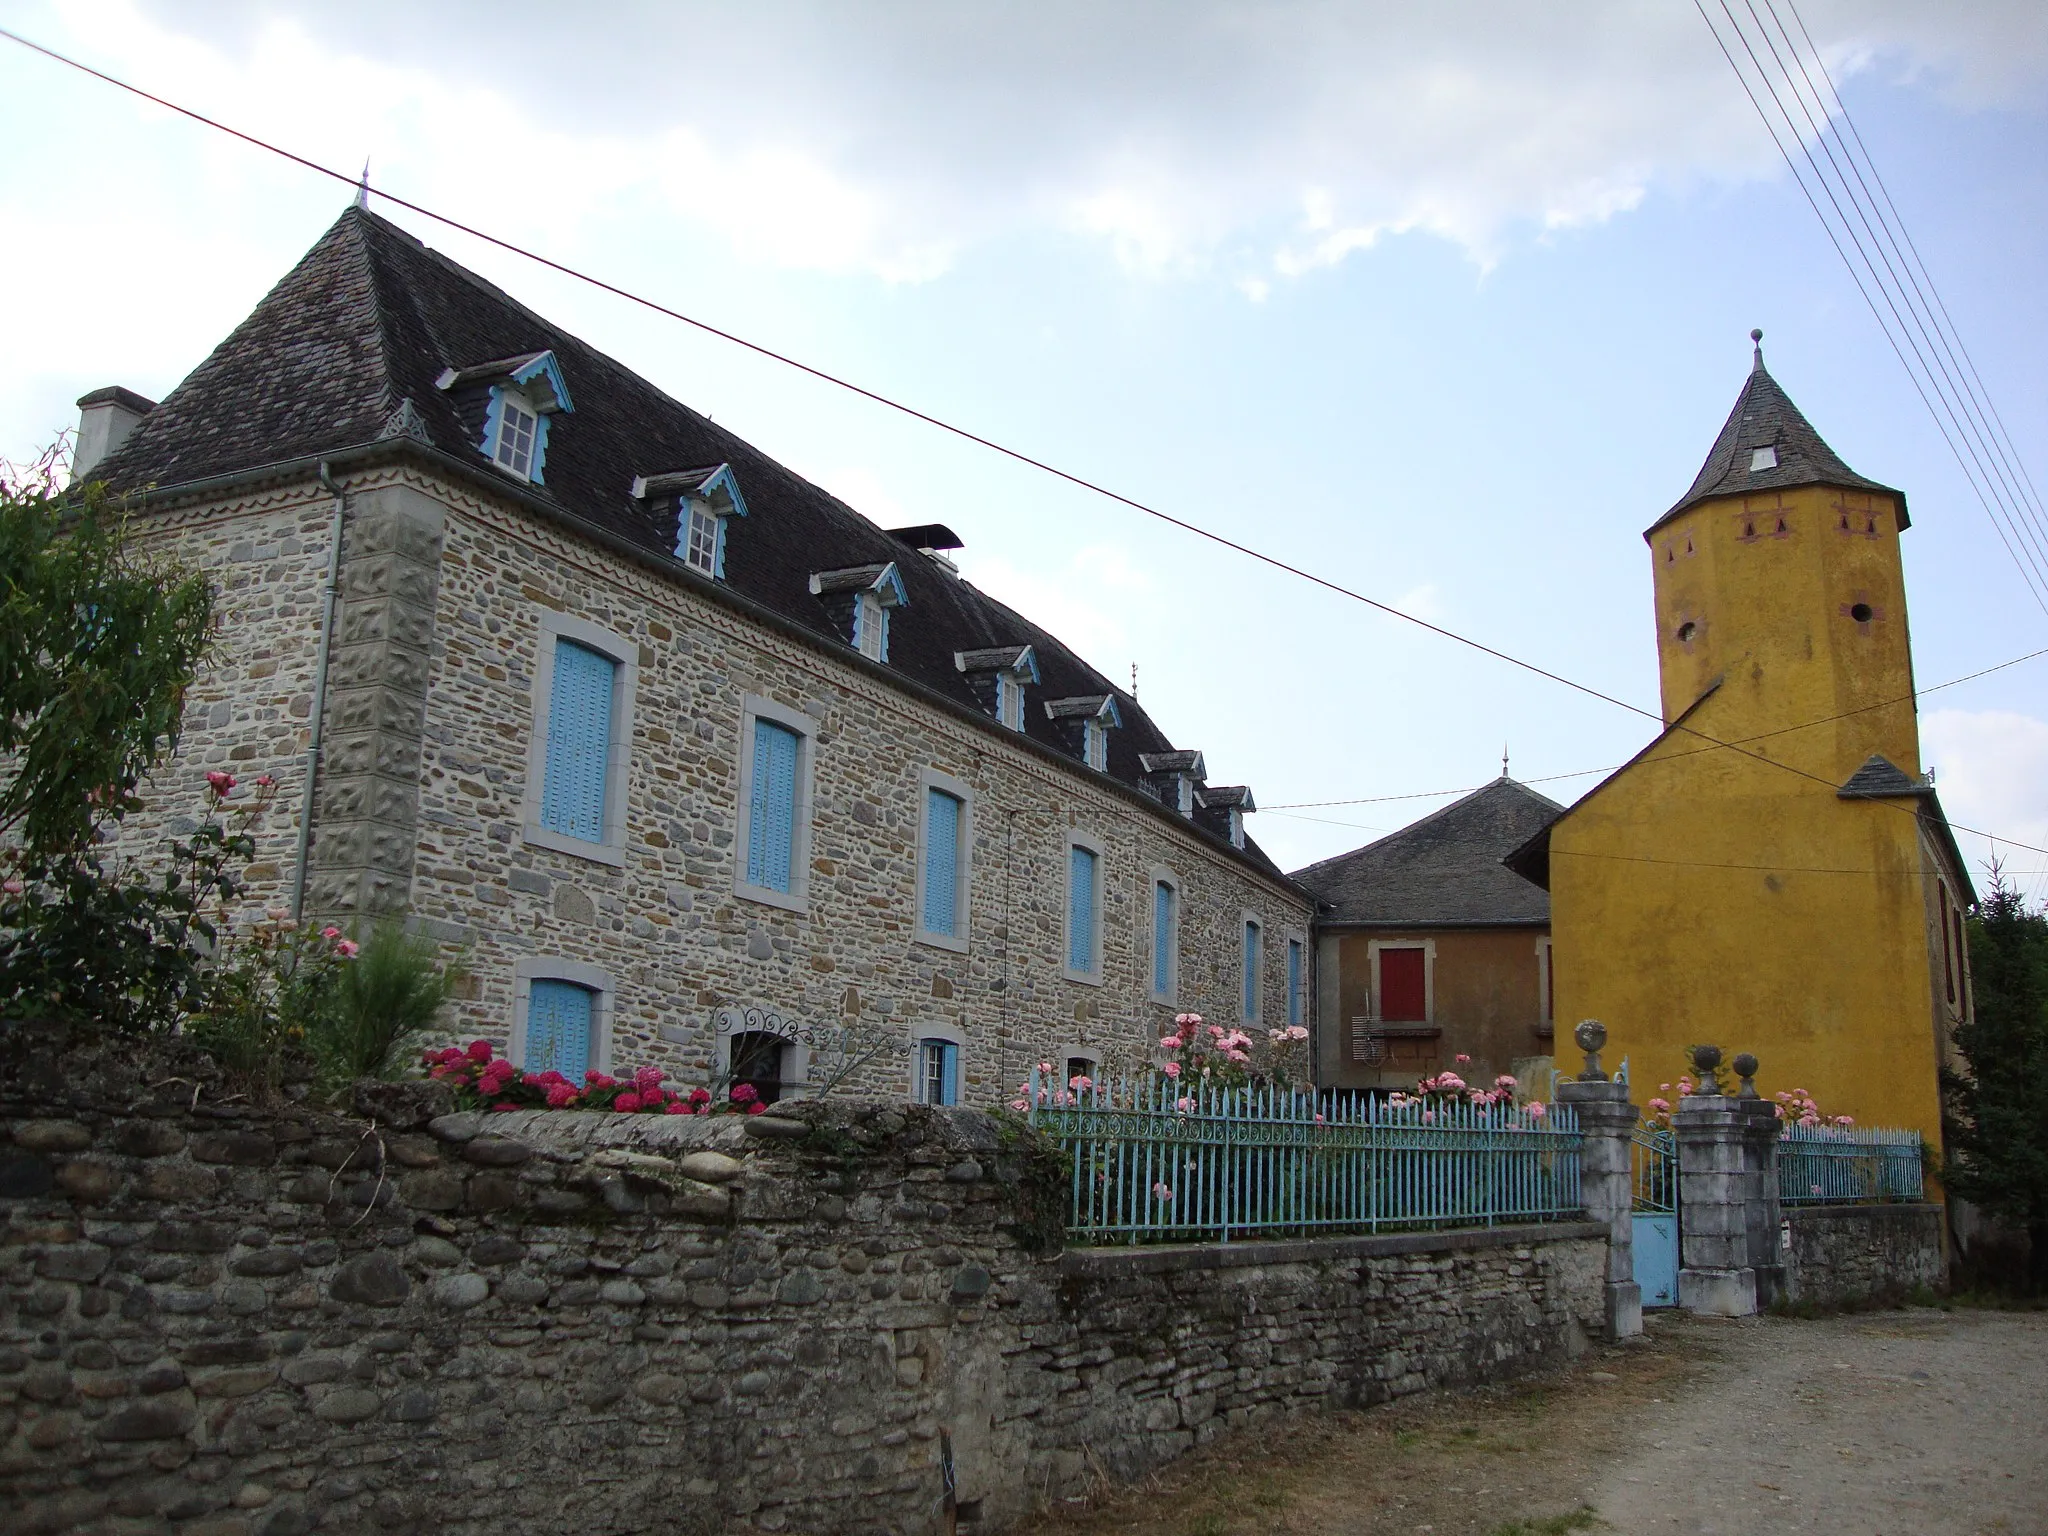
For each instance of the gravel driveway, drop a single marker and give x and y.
(1911, 1423)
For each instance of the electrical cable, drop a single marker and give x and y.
(1014, 454)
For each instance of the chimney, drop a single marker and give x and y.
(105, 418)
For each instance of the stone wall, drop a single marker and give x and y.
(422, 804)
(1845, 1253)
(221, 1321)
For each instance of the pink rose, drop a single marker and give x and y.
(220, 783)
(1463, 1059)
(330, 932)
(1163, 1190)
(348, 949)
(265, 781)
(1171, 1069)
(1018, 1105)
(1537, 1108)
(1170, 1042)
(12, 885)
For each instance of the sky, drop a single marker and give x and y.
(1445, 303)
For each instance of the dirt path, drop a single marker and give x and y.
(1913, 1423)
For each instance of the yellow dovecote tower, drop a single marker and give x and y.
(1772, 873)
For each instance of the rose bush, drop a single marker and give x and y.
(484, 1080)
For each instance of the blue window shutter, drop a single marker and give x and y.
(1294, 981)
(771, 821)
(1162, 938)
(579, 742)
(882, 618)
(941, 863)
(950, 1083)
(558, 1018)
(1080, 909)
(1251, 971)
(718, 550)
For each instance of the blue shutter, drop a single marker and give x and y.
(941, 863)
(1251, 971)
(579, 742)
(882, 618)
(558, 1029)
(949, 1080)
(1294, 981)
(1080, 909)
(1162, 939)
(771, 820)
(718, 550)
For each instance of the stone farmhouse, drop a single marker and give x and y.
(686, 760)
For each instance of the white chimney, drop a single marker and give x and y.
(105, 418)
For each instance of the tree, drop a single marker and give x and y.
(97, 648)
(1997, 1107)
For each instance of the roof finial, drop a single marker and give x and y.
(1134, 682)
(1757, 337)
(363, 186)
(1503, 759)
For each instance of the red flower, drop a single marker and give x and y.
(626, 1103)
(500, 1108)
(479, 1050)
(757, 1109)
(745, 1093)
(676, 1107)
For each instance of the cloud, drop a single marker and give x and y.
(1095, 604)
(1991, 767)
(1262, 141)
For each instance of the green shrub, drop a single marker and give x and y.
(378, 1005)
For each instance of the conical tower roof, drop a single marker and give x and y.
(1765, 418)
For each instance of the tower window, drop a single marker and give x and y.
(1845, 520)
(1870, 525)
(1781, 525)
(1749, 530)
(1686, 631)
(1860, 612)
(1761, 459)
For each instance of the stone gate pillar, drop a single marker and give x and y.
(1607, 1122)
(1717, 1186)
(1765, 1214)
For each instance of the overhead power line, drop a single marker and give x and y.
(1896, 287)
(362, 187)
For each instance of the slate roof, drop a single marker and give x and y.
(1765, 417)
(370, 318)
(1443, 871)
(1881, 779)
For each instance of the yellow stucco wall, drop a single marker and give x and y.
(1704, 896)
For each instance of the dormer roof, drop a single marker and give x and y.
(1764, 418)
(1185, 761)
(883, 579)
(999, 658)
(1225, 797)
(1094, 706)
(716, 485)
(537, 374)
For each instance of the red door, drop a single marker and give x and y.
(1403, 997)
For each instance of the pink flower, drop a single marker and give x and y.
(220, 783)
(330, 932)
(1537, 1108)
(1183, 1105)
(348, 949)
(1845, 1119)
(1171, 1069)
(1080, 1081)
(265, 781)
(1504, 1081)
(626, 1103)
(1019, 1105)
(1297, 1031)
(479, 1050)
(1428, 1115)
(745, 1093)
(1463, 1059)
(1660, 1106)
(757, 1109)
(12, 885)
(1319, 1120)
(700, 1095)
(1170, 1042)
(1163, 1190)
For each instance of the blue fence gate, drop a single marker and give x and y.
(1655, 1155)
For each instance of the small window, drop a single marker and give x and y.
(579, 742)
(559, 1032)
(514, 427)
(1761, 459)
(1254, 939)
(1861, 612)
(702, 538)
(871, 627)
(1165, 937)
(938, 1072)
(1095, 745)
(945, 838)
(1084, 913)
(772, 851)
(1079, 1066)
(1009, 701)
(1296, 1004)
(1686, 631)
(760, 1059)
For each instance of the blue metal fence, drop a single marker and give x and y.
(1155, 1162)
(1654, 1155)
(1834, 1165)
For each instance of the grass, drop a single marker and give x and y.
(1580, 1519)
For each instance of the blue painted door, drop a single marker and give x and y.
(1656, 1251)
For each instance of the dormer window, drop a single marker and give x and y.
(518, 396)
(1761, 459)
(1085, 723)
(860, 600)
(999, 675)
(1222, 810)
(1174, 777)
(704, 501)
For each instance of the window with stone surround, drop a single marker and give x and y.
(561, 1017)
(1083, 926)
(582, 730)
(1165, 959)
(772, 853)
(937, 1057)
(1253, 967)
(945, 839)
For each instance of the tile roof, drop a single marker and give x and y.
(1765, 417)
(348, 347)
(1443, 871)
(1881, 779)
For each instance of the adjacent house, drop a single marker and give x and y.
(1428, 948)
(690, 762)
(1772, 873)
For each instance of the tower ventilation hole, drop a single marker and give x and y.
(1686, 631)
(1860, 613)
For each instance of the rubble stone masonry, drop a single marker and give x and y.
(422, 802)
(217, 1320)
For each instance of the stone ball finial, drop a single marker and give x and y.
(1591, 1035)
(1705, 1060)
(1745, 1067)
